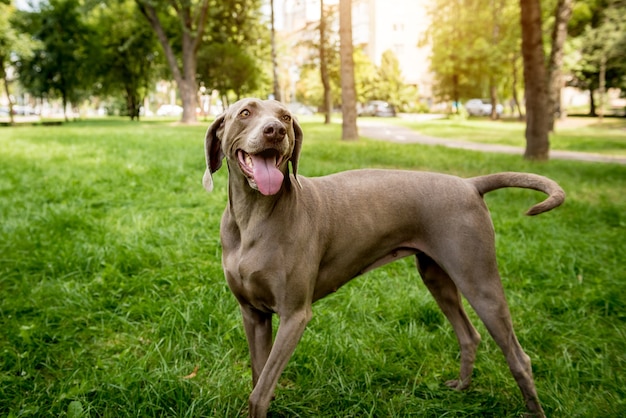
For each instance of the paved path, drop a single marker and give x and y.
(376, 129)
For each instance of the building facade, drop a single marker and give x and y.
(377, 26)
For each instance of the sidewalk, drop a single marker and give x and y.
(387, 132)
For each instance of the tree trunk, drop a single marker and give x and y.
(514, 92)
(602, 86)
(5, 79)
(592, 104)
(455, 94)
(64, 101)
(328, 101)
(133, 103)
(186, 77)
(562, 14)
(188, 87)
(349, 129)
(496, 8)
(277, 95)
(493, 92)
(535, 82)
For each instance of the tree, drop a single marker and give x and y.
(607, 39)
(448, 60)
(601, 43)
(328, 100)
(391, 84)
(562, 14)
(235, 39)
(319, 80)
(229, 68)
(126, 56)
(59, 64)
(13, 43)
(497, 55)
(535, 82)
(468, 62)
(349, 129)
(514, 65)
(277, 95)
(366, 77)
(189, 31)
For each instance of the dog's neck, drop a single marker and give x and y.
(251, 205)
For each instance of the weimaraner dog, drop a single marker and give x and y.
(289, 240)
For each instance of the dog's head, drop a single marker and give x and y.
(258, 138)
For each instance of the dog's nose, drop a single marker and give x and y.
(274, 131)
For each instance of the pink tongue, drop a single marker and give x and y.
(268, 178)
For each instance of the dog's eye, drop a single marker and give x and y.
(286, 118)
(244, 113)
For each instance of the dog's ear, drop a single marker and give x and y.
(297, 147)
(213, 151)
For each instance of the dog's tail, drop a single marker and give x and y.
(556, 195)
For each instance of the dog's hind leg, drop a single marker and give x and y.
(448, 298)
(479, 281)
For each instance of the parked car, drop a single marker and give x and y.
(24, 110)
(481, 107)
(300, 109)
(169, 110)
(378, 108)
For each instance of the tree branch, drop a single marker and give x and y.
(150, 13)
(202, 18)
(175, 6)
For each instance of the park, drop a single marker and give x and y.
(113, 300)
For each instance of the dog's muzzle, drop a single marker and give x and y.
(262, 170)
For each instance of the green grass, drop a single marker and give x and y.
(572, 134)
(111, 289)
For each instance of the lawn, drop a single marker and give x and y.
(113, 302)
(571, 134)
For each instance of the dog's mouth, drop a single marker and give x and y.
(262, 170)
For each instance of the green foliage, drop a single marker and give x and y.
(13, 43)
(309, 88)
(237, 22)
(112, 293)
(59, 66)
(384, 82)
(474, 44)
(230, 58)
(125, 54)
(104, 49)
(585, 13)
(228, 67)
(603, 37)
(391, 85)
(365, 77)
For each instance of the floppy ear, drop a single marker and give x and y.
(213, 151)
(297, 147)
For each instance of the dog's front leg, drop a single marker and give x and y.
(289, 333)
(258, 326)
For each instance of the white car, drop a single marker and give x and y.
(482, 107)
(169, 110)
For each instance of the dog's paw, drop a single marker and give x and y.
(458, 384)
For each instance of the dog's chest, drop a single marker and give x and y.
(254, 274)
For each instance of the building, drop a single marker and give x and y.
(377, 26)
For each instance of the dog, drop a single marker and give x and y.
(288, 240)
